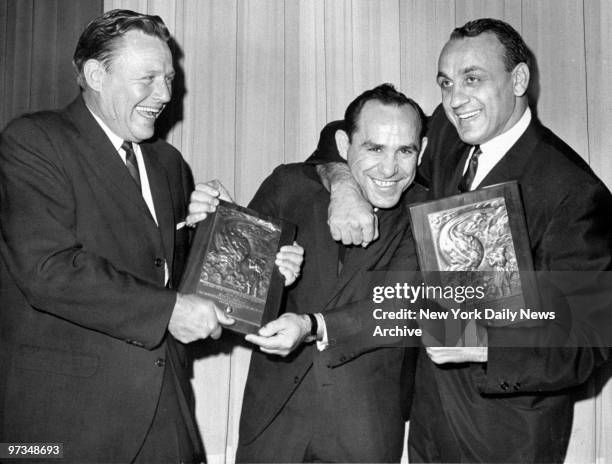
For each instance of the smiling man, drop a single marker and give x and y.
(92, 252)
(304, 403)
(500, 403)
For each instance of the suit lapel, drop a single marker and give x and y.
(451, 175)
(360, 260)
(512, 165)
(162, 199)
(326, 248)
(98, 151)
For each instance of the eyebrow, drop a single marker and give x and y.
(369, 143)
(412, 146)
(467, 70)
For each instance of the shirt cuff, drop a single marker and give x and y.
(322, 340)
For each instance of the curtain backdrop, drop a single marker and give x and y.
(37, 39)
(258, 79)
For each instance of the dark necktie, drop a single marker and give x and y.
(131, 162)
(470, 172)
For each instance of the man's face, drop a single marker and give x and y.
(478, 94)
(383, 152)
(136, 87)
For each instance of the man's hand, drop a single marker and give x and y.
(195, 318)
(350, 216)
(453, 354)
(205, 199)
(289, 260)
(283, 335)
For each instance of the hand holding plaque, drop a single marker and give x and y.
(232, 262)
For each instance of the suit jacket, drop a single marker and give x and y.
(517, 408)
(370, 383)
(84, 306)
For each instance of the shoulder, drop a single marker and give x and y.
(295, 176)
(162, 149)
(558, 165)
(38, 124)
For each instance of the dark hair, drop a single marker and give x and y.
(99, 39)
(515, 48)
(386, 94)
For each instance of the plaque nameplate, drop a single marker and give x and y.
(231, 262)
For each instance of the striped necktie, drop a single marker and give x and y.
(131, 162)
(470, 172)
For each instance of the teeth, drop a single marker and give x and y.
(383, 183)
(149, 111)
(469, 115)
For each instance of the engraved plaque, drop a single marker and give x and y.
(232, 262)
(478, 238)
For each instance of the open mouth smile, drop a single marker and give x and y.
(468, 116)
(148, 111)
(384, 183)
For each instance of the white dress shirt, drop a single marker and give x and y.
(496, 148)
(142, 170)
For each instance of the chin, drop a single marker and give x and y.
(385, 203)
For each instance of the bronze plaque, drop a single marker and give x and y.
(232, 263)
(477, 239)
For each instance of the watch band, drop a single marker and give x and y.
(314, 325)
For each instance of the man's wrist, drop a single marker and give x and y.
(315, 327)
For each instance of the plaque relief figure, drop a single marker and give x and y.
(476, 240)
(238, 256)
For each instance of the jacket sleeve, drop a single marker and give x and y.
(55, 271)
(576, 252)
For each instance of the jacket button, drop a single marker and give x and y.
(160, 362)
(504, 386)
(159, 262)
(517, 386)
(296, 379)
(342, 358)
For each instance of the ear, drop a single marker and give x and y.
(520, 79)
(342, 143)
(94, 73)
(423, 146)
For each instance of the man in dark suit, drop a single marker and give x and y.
(479, 404)
(93, 245)
(302, 404)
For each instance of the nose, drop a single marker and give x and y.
(388, 166)
(458, 96)
(163, 91)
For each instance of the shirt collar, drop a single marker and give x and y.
(502, 143)
(114, 138)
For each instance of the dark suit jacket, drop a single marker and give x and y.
(84, 309)
(370, 383)
(518, 408)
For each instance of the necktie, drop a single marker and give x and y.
(470, 172)
(131, 162)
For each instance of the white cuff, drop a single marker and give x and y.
(322, 340)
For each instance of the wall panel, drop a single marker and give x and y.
(598, 37)
(554, 29)
(260, 95)
(424, 29)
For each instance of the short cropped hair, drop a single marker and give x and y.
(385, 94)
(515, 48)
(100, 38)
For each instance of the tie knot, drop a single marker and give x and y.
(477, 151)
(127, 146)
